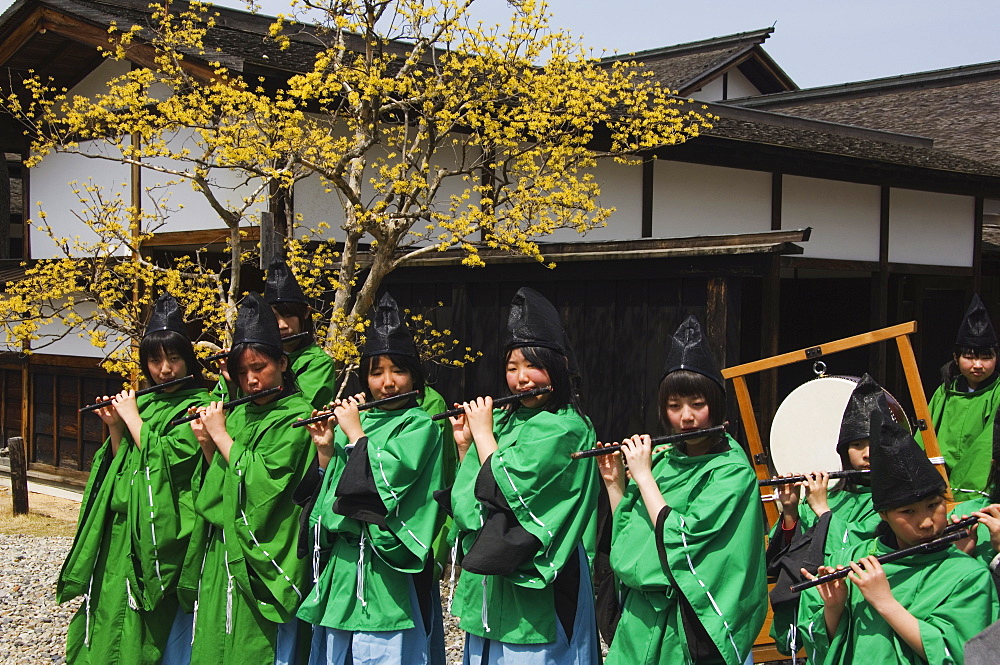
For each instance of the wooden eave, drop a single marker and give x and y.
(768, 242)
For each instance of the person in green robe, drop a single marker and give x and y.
(985, 541)
(137, 515)
(687, 531)
(837, 518)
(524, 511)
(964, 408)
(313, 370)
(242, 576)
(372, 523)
(921, 608)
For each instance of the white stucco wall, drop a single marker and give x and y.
(693, 199)
(931, 228)
(621, 189)
(72, 344)
(844, 217)
(737, 86)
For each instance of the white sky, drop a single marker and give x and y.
(816, 42)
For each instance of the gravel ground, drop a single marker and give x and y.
(32, 626)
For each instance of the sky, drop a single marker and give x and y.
(816, 42)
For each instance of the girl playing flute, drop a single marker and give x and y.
(137, 512)
(686, 542)
(525, 513)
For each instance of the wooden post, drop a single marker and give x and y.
(18, 475)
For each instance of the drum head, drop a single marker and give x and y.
(806, 426)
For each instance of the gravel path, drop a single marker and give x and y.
(32, 626)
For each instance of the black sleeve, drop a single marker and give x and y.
(806, 550)
(305, 495)
(443, 498)
(502, 544)
(661, 547)
(357, 495)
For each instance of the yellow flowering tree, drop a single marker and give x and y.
(425, 130)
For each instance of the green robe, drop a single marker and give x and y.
(135, 521)
(949, 593)
(242, 576)
(552, 496)
(853, 520)
(315, 374)
(964, 425)
(432, 402)
(404, 453)
(710, 549)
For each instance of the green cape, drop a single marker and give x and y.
(132, 534)
(242, 575)
(552, 496)
(712, 539)
(963, 422)
(404, 453)
(949, 593)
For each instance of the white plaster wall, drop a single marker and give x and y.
(185, 208)
(740, 85)
(50, 191)
(931, 228)
(737, 86)
(621, 189)
(844, 217)
(95, 83)
(73, 344)
(693, 199)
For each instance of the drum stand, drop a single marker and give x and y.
(900, 333)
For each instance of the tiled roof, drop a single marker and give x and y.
(956, 107)
(686, 67)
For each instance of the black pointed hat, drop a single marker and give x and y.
(255, 324)
(976, 331)
(856, 423)
(901, 472)
(534, 321)
(281, 285)
(387, 334)
(167, 315)
(688, 351)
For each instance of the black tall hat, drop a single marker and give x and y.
(534, 321)
(901, 472)
(387, 334)
(976, 331)
(281, 285)
(867, 397)
(167, 315)
(255, 324)
(688, 351)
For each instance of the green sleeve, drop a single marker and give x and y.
(714, 552)
(315, 374)
(161, 515)
(405, 459)
(966, 608)
(267, 461)
(552, 496)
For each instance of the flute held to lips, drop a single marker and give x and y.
(145, 391)
(228, 405)
(361, 407)
(947, 537)
(656, 441)
(290, 338)
(499, 401)
(845, 473)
